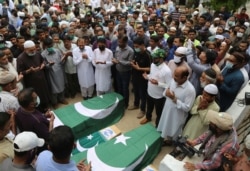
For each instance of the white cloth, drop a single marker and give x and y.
(174, 115)
(103, 71)
(163, 75)
(69, 66)
(8, 102)
(84, 67)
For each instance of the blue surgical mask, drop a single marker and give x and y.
(229, 65)
(137, 50)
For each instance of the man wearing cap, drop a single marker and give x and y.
(179, 60)
(220, 139)
(31, 65)
(198, 123)
(25, 145)
(180, 96)
(159, 78)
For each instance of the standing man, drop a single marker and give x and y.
(102, 62)
(159, 78)
(140, 64)
(31, 65)
(180, 96)
(82, 58)
(123, 57)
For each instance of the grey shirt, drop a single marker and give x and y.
(8, 165)
(124, 56)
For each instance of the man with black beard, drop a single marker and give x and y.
(83, 30)
(25, 145)
(220, 139)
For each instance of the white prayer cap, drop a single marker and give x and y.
(43, 2)
(6, 77)
(246, 24)
(195, 13)
(222, 120)
(165, 13)
(28, 44)
(218, 36)
(211, 89)
(172, 28)
(181, 50)
(247, 142)
(216, 19)
(21, 14)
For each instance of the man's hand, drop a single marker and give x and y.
(145, 76)
(154, 81)
(42, 66)
(170, 94)
(191, 143)
(84, 167)
(51, 63)
(135, 65)
(84, 56)
(189, 166)
(35, 69)
(20, 77)
(115, 61)
(203, 103)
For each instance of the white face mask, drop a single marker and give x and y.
(203, 84)
(177, 59)
(229, 65)
(37, 101)
(239, 34)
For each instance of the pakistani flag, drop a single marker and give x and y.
(133, 150)
(89, 116)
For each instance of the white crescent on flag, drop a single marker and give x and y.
(98, 165)
(81, 149)
(95, 114)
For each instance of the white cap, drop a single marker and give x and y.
(28, 44)
(6, 77)
(21, 14)
(218, 36)
(211, 89)
(137, 4)
(26, 141)
(195, 13)
(181, 50)
(247, 142)
(246, 24)
(172, 28)
(216, 19)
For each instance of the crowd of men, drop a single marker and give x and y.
(187, 64)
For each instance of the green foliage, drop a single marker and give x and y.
(230, 4)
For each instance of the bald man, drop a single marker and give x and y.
(180, 96)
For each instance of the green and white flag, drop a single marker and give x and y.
(133, 150)
(89, 116)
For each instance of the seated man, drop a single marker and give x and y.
(60, 144)
(25, 148)
(221, 139)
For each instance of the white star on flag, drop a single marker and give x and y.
(121, 139)
(89, 137)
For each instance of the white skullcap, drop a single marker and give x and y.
(211, 89)
(6, 77)
(28, 44)
(246, 24)
(181, 50)
(195, 13)
(172, 28)
(137, 4)
(216, 19)
(222, 120)
(247, 142)
(218, 36)
(165, 13)
(21, 14)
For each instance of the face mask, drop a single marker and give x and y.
(230, 23)
(37, 101)
(203, 84)
(102, 48)
(50, 50)
(31, 54)
(229, 65)
(71, 37)
(156, 62)
(177, 59)
(239, 34)
(32, 32)
(137, 50)
(212, 129)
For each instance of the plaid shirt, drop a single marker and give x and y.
(231, 147)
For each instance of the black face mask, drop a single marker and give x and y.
(212, 129)
(102, 48)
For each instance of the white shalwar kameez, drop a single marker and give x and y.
(174, 115)
(103, 71)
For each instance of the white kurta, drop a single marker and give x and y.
(103, 71)
(85, 70)
(174, 115)
(69, 66)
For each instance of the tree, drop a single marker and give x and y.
(229, 4)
